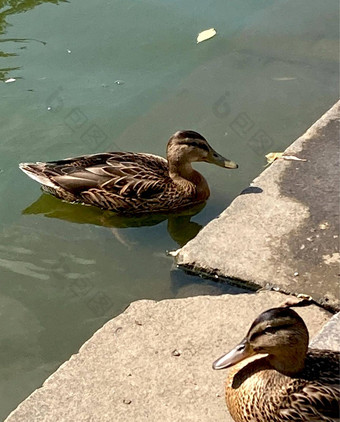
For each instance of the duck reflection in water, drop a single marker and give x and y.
(180, 227)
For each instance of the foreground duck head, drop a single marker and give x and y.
(281, 334)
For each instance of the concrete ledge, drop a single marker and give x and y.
(329, 336)
(153, 363)
(283, 231)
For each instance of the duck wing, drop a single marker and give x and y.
(315, 402)
(136, 175)
(317, 396)
(97, 177)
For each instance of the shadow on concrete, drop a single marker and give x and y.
(251, 189)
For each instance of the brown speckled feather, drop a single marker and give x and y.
(255, 392)
(118, 181)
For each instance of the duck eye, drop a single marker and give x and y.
(269, 330)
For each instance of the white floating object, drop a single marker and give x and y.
(286, 78)
(69, 51)
(206, 35)
(10, 80)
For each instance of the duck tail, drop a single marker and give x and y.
(36, 172)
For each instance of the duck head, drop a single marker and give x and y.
(278, 333)
(187, 146)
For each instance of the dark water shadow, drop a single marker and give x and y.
(185, 283)
(180, 226)
(12, 7)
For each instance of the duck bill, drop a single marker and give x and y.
(240, 352)
(215, 158)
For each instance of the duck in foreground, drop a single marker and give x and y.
(133, 183)
(276, 378)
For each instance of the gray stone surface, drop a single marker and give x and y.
(283, 231)
(153, 363)
(329, 336)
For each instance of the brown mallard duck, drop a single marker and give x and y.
(133, 183)
(276, 378)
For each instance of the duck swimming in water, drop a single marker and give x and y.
(133, 183)
(276, 378)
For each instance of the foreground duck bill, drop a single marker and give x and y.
(240, 352)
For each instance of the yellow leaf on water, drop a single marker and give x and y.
(205, 35)
(272, 156)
